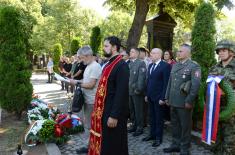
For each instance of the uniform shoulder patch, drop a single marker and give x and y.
(197, 74)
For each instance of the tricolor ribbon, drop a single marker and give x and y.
(211, 109)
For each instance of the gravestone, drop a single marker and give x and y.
(160, 29)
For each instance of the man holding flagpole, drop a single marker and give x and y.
(108, 134)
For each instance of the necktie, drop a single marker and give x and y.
(152, 68)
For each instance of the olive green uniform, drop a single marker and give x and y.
(182, 74)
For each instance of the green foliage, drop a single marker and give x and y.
(15, 87)
(117, 23)
(75, 45)
(229, 110)
(57, 53)
(203, 45)
(46, 133)
(74, 130)
(95, 39)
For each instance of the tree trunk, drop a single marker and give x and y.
(141, 11)
(0, 115)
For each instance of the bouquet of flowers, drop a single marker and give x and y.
(71, 124)
(40, 110)
(31, 137)
(47, 124)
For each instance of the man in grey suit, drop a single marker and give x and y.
(186, 75)
(137, 85)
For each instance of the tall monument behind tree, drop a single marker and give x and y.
(160, 30)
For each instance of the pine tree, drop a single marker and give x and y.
(95, 39)
(57, 53)
(15, 87)
(203, 45)
(75, 45)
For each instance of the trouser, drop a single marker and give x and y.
(50, 77)
(68, 86)
(157, 119)
(146, 114)
(136, 104)
(181, 120)
(87, 111)
(62, 82)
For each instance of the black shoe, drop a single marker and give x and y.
(47, 82)
(82, 150)
(186, 153)
(148, 138)
(156, 143)
(131, 130)
(171, 149)
(137, 133)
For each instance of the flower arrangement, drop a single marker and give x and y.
(48, 124)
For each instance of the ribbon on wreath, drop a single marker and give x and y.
(211, 109)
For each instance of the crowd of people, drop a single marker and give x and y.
(140, 87)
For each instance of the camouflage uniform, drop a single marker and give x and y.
(226, 143)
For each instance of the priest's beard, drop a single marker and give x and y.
(107, 55)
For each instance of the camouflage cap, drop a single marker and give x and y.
(225, 44)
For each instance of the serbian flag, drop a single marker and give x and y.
(211, 110)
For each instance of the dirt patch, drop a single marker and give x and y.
(11, 132)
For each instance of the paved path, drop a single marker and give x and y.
(51, 93)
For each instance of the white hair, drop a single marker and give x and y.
(85, 50)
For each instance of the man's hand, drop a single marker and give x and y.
(73, 82)
(146, 99)
(188, 106)
(137, 92)
(167, 102)
(161, 102)
(112, 122)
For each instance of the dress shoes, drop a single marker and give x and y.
(148, 138)
(137, 133)
(131, 130)
(82, 150)
(171, 149)
(156, 143)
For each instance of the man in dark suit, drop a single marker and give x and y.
(158, 76)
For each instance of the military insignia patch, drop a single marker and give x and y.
(197, 74)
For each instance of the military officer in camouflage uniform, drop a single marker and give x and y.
(226, 67)
(136, 92)
(183, 87)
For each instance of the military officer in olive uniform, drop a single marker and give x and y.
(226, 67)
(183, 87)
(137, 85)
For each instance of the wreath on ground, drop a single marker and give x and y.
(48, 124)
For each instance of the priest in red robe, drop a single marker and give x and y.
(108, 134)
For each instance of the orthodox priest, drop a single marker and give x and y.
(108, 134)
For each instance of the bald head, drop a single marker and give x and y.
(156, 54)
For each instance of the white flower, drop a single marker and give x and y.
(37, 126)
